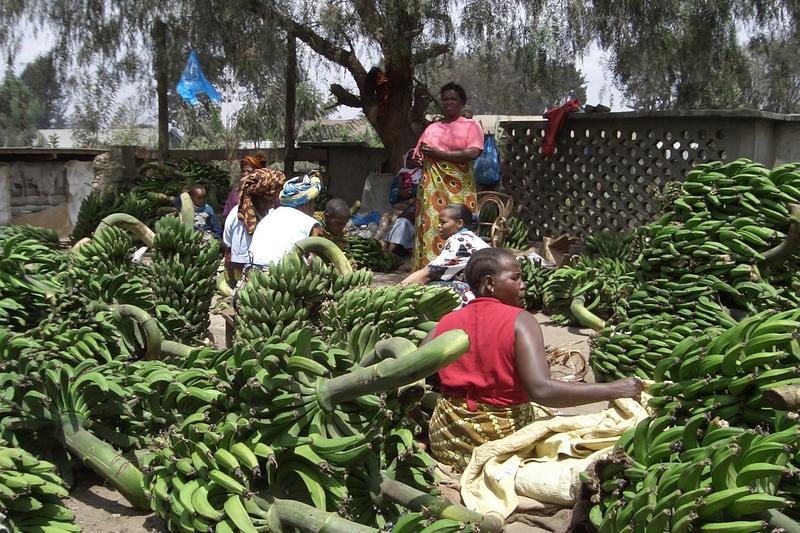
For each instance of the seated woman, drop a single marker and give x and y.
(283, 226)
(259, 191)
(486, 394)
(455, 222)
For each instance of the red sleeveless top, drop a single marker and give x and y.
(486, 373)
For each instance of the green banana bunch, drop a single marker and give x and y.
(487, 215)
(27, 267)
(368, 254)
(41, 235)
(737, 221)
(344, 282)
(700, 475)
(276, 302)
(587, 291)
(535, 275)
(517, 237)
(363, 316)
(65, 409)
(654, 319)
(31, 493)
(171, 179)
(93, 208)
(726, 374)
(637, 346)
(99, 271)
(183, 276)
(216, 180)
(163, 395)
(692, 297)
(298, 435)
(100, 204)
(609, 245)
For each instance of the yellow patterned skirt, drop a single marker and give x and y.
(455, 430)
(442, 183)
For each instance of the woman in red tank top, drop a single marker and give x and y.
(487, 392)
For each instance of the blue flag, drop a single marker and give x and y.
(194, 82)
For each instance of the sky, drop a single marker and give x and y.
(599, 88)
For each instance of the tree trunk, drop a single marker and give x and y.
(161, 74)
(291, 86)
(393, 123)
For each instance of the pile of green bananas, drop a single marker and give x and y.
(727, 374)
(535, 275)
(363, 316)
(45, 236)
(368, 254)
(183, 276)
(699, 476)
(284, 413)
(517, 237)
(28, 262)
(609, 245)
(147, 207)
(62, 411)
(635, 347)
(653, 319)
(31, 493)
(587, 291)
(307, 416)
(171, 179)
(276, 301)
(739, 222)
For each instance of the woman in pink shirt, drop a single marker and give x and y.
(448, 149)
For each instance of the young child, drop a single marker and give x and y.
(334, 219)
(205, 220)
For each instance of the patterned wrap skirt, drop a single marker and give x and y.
(442, 183)
(455, 430)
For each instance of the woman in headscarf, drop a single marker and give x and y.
(247, 164)
(260, 190)
(283, 226)
(448, 149)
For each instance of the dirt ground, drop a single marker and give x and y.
(100, 509)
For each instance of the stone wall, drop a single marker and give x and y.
(608, 167)
(27, 188)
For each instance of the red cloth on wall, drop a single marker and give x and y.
(555, 119)
(487, 372)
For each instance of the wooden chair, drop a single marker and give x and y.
(497, 228)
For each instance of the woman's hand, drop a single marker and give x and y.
(429, 151)
(629, 388)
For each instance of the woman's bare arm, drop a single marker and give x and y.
(456, 156)
(421, 276)
(534, 371)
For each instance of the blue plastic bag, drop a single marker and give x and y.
(487, 166)
(365, 219)
(194, 82)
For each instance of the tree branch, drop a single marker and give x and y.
(324, 47)
(371, 18)
(422, 97)
(429, 53)
(344, 97)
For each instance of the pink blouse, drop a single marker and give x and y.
(460, 134)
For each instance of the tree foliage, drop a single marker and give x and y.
(711, 54)
(669, 54)
(502, 87)
(19, 110)
(47, 85)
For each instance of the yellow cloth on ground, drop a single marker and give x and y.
(543, 460)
